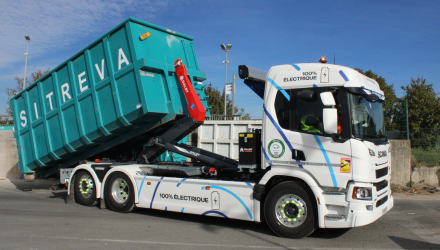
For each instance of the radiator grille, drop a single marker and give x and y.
(381, 172)
(381, 201)
(381, 185)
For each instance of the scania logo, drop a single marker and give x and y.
(381, 154)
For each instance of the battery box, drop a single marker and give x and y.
(249, 148)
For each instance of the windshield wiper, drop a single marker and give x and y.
(375, 136)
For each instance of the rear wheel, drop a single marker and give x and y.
(85, 191)
(289, 211)
(119, 193)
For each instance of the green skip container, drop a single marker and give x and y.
(116, 91)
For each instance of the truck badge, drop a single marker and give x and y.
(276, 148)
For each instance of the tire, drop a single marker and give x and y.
(289, 211)
(85, 189)
(119, 193)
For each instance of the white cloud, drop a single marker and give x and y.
(54, 24)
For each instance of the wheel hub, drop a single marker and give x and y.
(120, 190)
(86, 186)
(291, 210)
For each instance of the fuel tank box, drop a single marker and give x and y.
(249, 146)
(122, 88)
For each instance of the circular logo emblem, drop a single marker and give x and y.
(276, 148)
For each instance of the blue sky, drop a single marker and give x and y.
(395, 39)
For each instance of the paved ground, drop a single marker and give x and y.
(33, 217)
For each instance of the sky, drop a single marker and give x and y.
(395, 39)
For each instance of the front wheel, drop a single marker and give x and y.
(289, 211)
(119, 193)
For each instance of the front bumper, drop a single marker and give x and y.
(358, 215)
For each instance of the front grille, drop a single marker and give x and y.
(381, 185)
(381, 201)
(381, 172)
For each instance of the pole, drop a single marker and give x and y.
(25, 65)
(407, 127)
(234, 76)
(226, 71)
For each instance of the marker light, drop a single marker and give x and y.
(145, 36)
(323, 60)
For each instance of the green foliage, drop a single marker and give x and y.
(389, 107)
(11, 92)
(428, 157)
(216, 101)
(423, 113)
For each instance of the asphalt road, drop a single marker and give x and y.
(33, 217)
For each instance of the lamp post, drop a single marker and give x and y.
(28, 39)
(226, 49)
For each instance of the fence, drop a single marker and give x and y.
(224, 117)
(425, 143)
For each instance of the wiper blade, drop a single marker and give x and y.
(371, 136)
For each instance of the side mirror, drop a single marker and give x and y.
(306, 95)
(330, 117)
(330, 114)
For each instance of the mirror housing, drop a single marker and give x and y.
(330, 113)
(330, 120)
(306, 95)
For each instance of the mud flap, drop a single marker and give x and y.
(70, 198)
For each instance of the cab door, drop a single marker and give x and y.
(327, 157)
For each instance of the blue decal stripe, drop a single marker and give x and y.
(236, 197)
(182, 209)
(279, 88)
(278, 128)
(178, 184)
(165, 208)
(250, 185)
(265, 155)
(296, 67)
(154, 194)
(343, 75)
(327, 160)
(140, 188)
(301, 166)
(215, 212)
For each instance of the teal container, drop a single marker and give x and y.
(112, 91)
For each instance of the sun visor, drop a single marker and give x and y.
(257, 87)
(254, 78)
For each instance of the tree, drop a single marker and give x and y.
(216, 101)
(11, 92)
(423, 113)
(389, 107)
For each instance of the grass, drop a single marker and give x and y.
(428, 157)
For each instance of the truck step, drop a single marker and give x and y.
(334, 217)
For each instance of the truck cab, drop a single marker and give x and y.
(323, 124)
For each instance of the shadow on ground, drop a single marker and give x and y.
(413, 244)
(25, 186)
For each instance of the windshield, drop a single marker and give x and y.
(366, 118)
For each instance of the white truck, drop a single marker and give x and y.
(321, 159)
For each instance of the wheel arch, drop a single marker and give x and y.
(130, 172)
(88, 168)
(279, 174)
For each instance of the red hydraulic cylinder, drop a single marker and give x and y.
(195, 106)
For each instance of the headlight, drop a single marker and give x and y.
(372, 152)
(362, 193)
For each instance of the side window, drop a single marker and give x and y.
(304, 110)
(309, 116)
(285, 111)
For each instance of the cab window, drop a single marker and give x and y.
(304, 111)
